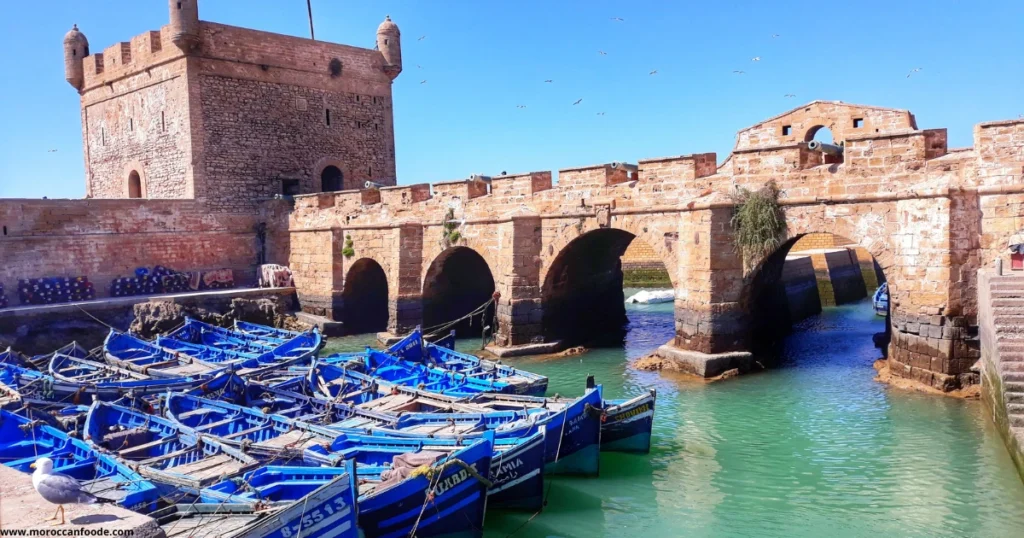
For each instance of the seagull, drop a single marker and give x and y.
(422, 37)
(790, 95)
(756, 59)
(549, 81)
(600, 113)
(912, 71)
(424, 81)
(774, 36)
(520, 106)
(57, 488)
(655, 72)
(578, 101)
(602, 53)
(618, 19)
(739, 72)
(51, 151)
(418, 66)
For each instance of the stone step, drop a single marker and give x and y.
(1006, 278)
(1008, 310)
(1011, 366)
(1010, 376)
(1015, 408)
(1010, 346)
(1013, 397)
(1014, 386)
(1019, 434)
(1007, 294)
(1013, 301)
(1016, 421)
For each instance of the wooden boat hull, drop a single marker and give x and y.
(626, 426)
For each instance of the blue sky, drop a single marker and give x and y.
(481, 59)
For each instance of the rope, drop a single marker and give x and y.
(98, 320)
(434, 475)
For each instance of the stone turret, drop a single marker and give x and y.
(76, 48)
(389, 42)
(185, 24)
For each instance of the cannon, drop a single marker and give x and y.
(372, 185)
(827, 149)
(631, 168)
(480, 177)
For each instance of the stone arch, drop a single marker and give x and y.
(331, 179)
(365, 295)
(348, 180)
(457, 282)
(582, 287)
(134, 185)
(763, 290)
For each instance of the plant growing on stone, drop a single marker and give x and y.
(758, 223)
(349, 249)
(450, 229)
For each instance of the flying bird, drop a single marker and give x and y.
(756, 59)
(57, 488)
(912, 71)
(790, 95)
(738, 72)
(51, 151)
(424, 81)
(549, 81)
(618, 19)
(578, 101)
(774, 36)
(655, 72)
(520, 106)
(602, 53)
(422, 37)
(600, 113)
(418, 66)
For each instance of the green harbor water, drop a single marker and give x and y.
(813, 448)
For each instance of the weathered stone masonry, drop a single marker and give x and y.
(929, 215)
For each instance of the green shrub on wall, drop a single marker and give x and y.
(349, 249)
(450, 229)
(758, 223)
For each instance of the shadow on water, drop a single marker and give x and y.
(812, 448)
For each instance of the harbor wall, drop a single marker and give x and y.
(105, 239)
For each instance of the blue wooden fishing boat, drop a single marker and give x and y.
(263, 331)
(441, 354)
(198, 332)
(407, 487)
(163, 451)
(573, 440)
(390, 368)
(328, 511)
(168, 357)
(9, 356)
(24, 440)
(626, 425)
(880, 300)
(33, 384)
(74, 349)
(516, 468)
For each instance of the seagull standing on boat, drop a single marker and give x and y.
(57, 488)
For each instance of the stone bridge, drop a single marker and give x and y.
(929, 214)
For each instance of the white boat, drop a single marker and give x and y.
(652, 297)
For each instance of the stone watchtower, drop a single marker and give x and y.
(233, 116)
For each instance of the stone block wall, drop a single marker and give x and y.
(104, 239)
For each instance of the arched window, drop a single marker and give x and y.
(134, 185)
(330, 179)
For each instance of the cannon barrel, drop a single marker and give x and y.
(625, 166)
(372, 185)
(480, 177)
(828, 149)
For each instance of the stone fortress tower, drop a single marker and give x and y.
(232, 116)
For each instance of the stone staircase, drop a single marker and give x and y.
(1006, 294)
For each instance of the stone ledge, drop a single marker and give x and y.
(704, 364)
(23, 508)
(544, 348)
(327, 326)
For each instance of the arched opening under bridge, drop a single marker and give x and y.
(807, 276)
(585, 290)
(457, 283)
(365, 298)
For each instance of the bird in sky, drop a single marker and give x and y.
(602, 53)
(51, 151)
(424, 81)
(756, 59)
(418, 66)
(790, 95)
(618, 19)
(57, 488)
(774, 36)
(600, 113)
(655, 72)
(520, 106)
(912, 71)
(578, 101)
(549, 81)
(738, 72)
(422, 37)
